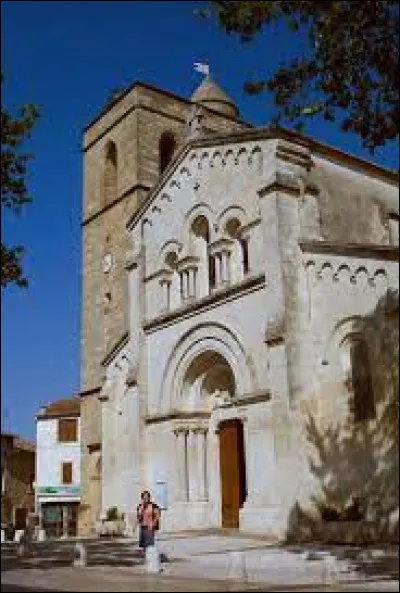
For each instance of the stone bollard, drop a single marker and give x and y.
(330, 570)
(80, 555)
(153, 563)
(237, 566)
(24, 541)
(19, 534)
(41, 535)
(3, 536)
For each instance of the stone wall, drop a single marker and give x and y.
(19, 476)
(89, 510)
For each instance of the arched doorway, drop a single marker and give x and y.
(232, 471)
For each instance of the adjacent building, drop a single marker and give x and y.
(228, 273)
(17, 480)
(58, 467)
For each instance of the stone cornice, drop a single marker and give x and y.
(296, 154)
(283, 181)
(222, 244)
(131, 259)
(176, 415)
(189, 261)
(89, 392)
(162, 273)
(247, 227)
(382, 252)
(117, 347)
(120, 198)
(183, 415)
(249, 398)
(59, 415)
(194, 307)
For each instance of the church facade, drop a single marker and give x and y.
(223, 317)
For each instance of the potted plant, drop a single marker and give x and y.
(113, 524)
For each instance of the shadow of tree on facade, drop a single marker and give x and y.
(356, 464)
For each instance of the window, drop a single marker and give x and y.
(200, 238)
(66, 470)
(358, 380)
(211, 271)
(240, 261)
(67, 430)
(245, 255)
(363, 399)
(110, 173)
(167, 147)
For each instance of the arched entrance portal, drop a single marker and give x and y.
(208, 380)
(208, 386)
(232, 470)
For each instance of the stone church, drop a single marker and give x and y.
(227, 270)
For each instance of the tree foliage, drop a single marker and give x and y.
(349, 71)
(14, 194)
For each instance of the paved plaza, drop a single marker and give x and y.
(201, 562)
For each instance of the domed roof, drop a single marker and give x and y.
(211, 95)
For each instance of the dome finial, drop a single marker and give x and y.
(210, 95)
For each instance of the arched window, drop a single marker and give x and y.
(240, 264)
(110, 173)
(244, 245)
(167, 146)
(172, 289)
(358, 377)
(200, 242)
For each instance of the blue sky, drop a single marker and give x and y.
(66, 57)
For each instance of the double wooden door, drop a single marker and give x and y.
(233, 472)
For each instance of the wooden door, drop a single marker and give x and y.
(232, 471)
(72, 519)
(20, 518)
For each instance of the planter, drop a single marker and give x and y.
(114, 528)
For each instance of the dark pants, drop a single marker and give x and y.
(146, 537)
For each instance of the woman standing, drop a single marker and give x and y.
(148, 515)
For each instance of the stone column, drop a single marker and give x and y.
(201, 434)
(168, 290)
(181, 285)
(191, 282)
(225, 267)
(65, 520)
(187, 284)
(184, 280)
(164, 288)
(180, 434)
(217, 259)
(193, 465)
